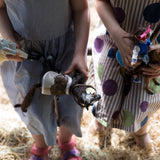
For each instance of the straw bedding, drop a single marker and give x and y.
(16, 141)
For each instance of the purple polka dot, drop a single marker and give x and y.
(144, 106)
(98, 44)
(120, 14)
(109, 87)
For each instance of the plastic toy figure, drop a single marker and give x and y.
(9, 48)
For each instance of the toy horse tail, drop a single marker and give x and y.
(28, 98)
(156, 32)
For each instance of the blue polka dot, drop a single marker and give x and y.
(144, 121)
(111, 53)
(158, 38)
(107, 33)
(120, 14)
(93, 110)
(152, 13)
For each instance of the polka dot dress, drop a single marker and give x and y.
(138, 105)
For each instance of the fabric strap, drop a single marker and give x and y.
(39, 151)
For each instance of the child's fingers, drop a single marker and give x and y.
(154, 47)
(85, 72)
(69, 70)
(152, 67)
(155, 66)
(153, 70)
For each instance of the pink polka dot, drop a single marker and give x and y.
(144, 106)
(98, 44)
(109, 87)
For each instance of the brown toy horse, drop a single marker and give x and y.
(138, 61)
(153, 56)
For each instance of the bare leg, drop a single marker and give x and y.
(99, 127)
(98, 130)
(64, 135)
(40, 143)
(66, 143)
(143, 139)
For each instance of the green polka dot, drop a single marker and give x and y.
(100, 70)
(104, 123)
(155, 88)
(128, 118)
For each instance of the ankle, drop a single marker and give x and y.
(99, 127)
(39, 152)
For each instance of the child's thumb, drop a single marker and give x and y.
(69, 70)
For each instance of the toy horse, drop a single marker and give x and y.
(141, 57)
(61, 84)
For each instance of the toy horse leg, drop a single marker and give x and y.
(123, 71)
(156, 81)
(147, 81)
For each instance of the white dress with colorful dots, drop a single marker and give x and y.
(138, 105)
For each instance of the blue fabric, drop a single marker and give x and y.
(39, 19)
(119, 58)
(144, 46)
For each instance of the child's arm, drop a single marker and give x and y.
(6, 29)
(81, 25)
(106, 13)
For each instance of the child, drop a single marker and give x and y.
(122, 17)
(46, 30)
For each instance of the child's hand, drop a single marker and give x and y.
(125, 47)
(154, 47)
(78, 63)
(152, 71)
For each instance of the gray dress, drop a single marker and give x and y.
(47, 31)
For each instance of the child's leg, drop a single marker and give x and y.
(67, 145)
(40, 146)
(64, 135)
(39, 140)
(100, 131)
(98, 126)
(143, 139)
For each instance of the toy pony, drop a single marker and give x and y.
(142, 39)
(141, 57)
(61, 84)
